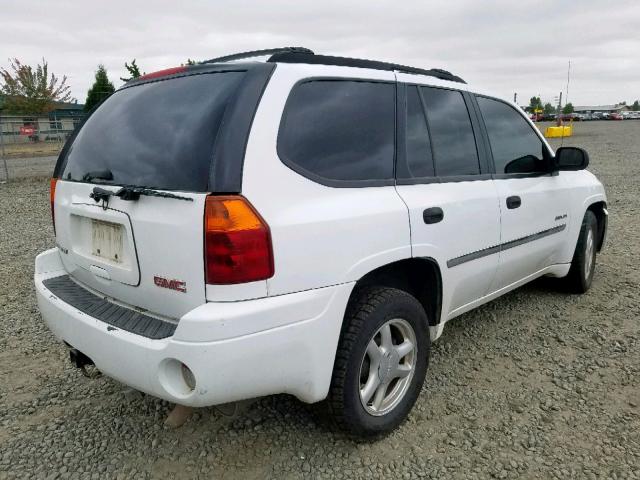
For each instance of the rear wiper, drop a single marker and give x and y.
(133, 193)
(98, 175)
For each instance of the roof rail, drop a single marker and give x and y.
(259, 53)
(297, 56)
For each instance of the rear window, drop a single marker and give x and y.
(340, 130)
(158, 134)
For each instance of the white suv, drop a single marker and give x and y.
(285, 222)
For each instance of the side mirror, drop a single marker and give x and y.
(571, 159)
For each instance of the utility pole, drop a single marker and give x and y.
(515, 98)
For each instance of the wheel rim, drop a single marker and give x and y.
(588, 254)
(387, 367)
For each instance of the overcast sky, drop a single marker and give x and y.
(505, 46)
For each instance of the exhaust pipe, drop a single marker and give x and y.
(79, 359)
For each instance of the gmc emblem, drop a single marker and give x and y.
(176, 285)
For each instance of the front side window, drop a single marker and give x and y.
(454, 145)
(514, 145)
(340, 130)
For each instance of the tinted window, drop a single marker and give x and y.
(340, 130)
(158, 134)
(515, 146)
(418, 144)
(454, 146)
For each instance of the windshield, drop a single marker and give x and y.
(158, 134)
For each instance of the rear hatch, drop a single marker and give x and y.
(157, 139)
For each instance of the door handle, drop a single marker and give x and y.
(432, 215)
(513, 202)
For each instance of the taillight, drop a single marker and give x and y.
(162, 73)
(237, 242)
(52, 198)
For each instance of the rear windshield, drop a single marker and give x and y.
(158, 134)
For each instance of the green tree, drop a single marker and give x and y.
(100, 89)
(534, 104)
(29, 89)
(549, 109)
(133, 70)
(568, 108)
(636, 106)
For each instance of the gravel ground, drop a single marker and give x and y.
(28, 167)
(537, 384)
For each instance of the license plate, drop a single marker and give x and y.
(106, 240)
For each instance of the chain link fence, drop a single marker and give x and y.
(35, 135)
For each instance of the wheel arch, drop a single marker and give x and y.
(420, 277)
(599, 209)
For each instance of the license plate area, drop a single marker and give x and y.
(107, 240)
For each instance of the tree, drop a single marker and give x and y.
(568, 108)
(636, 106)
(549, 109)
(32, 90)
(534, 104)
(133, 70)
(100, 89)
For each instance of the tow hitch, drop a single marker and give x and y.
(81, 361)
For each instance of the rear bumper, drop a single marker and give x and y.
(236, 350)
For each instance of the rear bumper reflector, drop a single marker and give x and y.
(101, 309)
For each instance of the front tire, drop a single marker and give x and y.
(381, 362)
(583, 264)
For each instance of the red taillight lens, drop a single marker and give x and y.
(52, 198)
(237, 242)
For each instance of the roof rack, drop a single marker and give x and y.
(260, 53)
(300, 56)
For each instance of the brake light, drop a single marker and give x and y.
(52, 197)
(162, 73)
(237, 242)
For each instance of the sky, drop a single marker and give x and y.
(504, 46)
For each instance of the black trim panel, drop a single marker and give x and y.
(111, 313)
(504, 246)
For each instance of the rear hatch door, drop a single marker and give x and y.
(143, 250)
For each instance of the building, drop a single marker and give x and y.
(601, 108)
(55, 125)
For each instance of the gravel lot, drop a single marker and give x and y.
(537, 384)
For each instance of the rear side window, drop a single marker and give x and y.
(418, 144)
(158, 134)
(514, 145)
(454, 145)
(340, 130)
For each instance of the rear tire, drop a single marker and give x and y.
(381, 362)
(583, 264)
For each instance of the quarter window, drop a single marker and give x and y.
(514, 145)
(340, 130)
(454, 145)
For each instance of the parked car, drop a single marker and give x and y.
(569, 117)
(336, 214)
(615, 116)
